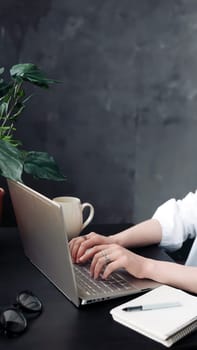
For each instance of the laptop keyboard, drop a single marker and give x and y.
(116, 282)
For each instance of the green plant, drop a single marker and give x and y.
(14, 160)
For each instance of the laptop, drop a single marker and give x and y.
(44, 238)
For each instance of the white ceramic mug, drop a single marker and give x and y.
(73, 214)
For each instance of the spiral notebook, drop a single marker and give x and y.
(164, 325)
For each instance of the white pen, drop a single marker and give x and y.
(151, 306)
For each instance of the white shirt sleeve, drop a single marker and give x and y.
(178, 219)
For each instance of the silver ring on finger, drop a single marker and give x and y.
(105, 255)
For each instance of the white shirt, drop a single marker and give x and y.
(178, 219)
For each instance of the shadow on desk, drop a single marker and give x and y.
(62, 326)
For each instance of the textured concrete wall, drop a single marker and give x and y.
(167, 119)
(122, 123)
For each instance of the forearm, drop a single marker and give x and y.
(176, 275)
(145, 233)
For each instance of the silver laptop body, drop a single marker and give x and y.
(43, 235)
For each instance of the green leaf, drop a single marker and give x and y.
(30, 72)
(3, 109)
(11, 163)
(1, 72)
(4, 128)
(43, 166)
(13, 142)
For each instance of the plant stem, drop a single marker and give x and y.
(16, 88)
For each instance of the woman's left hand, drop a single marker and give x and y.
(107, 258)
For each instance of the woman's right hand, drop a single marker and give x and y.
(79, 245)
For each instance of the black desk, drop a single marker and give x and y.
(62, 326)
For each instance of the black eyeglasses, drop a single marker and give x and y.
(13, 320)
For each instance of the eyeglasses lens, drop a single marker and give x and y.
(29, 302)
(12, 321)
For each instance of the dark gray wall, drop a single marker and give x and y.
(122, 123)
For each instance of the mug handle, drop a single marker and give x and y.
(90, 216)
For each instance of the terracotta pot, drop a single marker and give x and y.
(2, 192)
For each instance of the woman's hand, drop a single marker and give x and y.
(79, 245)
(107, 258)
